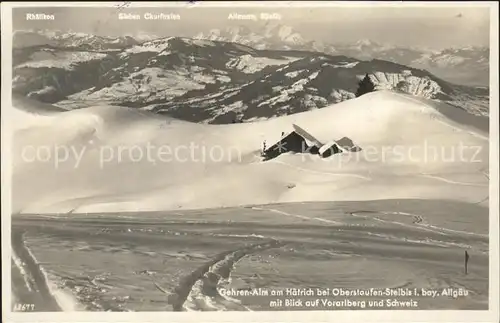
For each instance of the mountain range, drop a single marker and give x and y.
(466, 66)
(216, 80)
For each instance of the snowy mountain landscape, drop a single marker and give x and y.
(210, 80)
(466, 66)
(234, 223)
(140, 183)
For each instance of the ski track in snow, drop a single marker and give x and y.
(442, 179)
(300, 216)
(51, 298)
(28, 279)
(431, 242)
(198, 291)
(319, 172)
(418, 222)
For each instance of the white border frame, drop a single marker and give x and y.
(492, 315)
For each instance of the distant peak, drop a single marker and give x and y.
(366, 42)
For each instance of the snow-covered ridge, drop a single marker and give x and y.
(199, 42)
(418, 86)
(342, 64)
(444, 60)
(453, 57)
(251, 64)
(65, 60)
(380, 119)
(155, 46)
(68, 39)
(79, 39)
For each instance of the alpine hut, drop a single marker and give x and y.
(296, 141)
(338, 146)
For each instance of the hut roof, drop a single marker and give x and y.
(310, 139)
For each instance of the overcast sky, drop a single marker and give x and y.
(430, 27)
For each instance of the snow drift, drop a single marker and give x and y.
(107, 159)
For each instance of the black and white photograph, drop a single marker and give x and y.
(267, 157)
